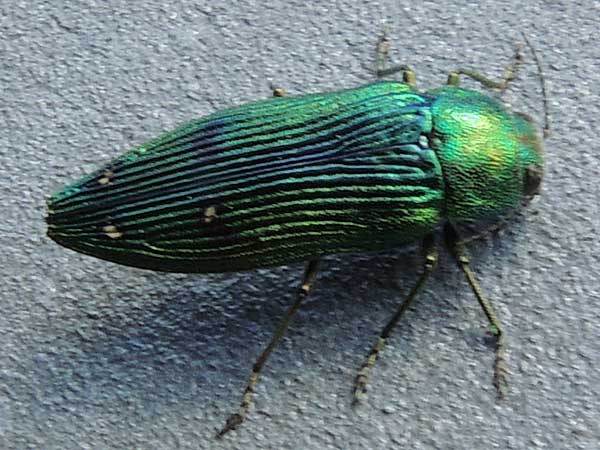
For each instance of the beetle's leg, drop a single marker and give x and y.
(510, 73)
(457, 248)
(383, 49)
(237, 418)
(362, 378)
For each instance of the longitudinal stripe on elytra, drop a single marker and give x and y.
(335, 183)
(295, 237)
(193, 151)
(259, 123)
(197, 178)
(306, 152)
(182, 221)
(178, 228)
(287, 180)
(350, 196)
(297, 150)
(325, 120)
(267, 255)
(407, 163)
(408, 159)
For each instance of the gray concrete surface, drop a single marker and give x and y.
(99, 356)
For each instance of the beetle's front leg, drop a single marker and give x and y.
(457, 248)
(510, 72)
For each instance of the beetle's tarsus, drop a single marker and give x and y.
(232, 423)
(500, 379)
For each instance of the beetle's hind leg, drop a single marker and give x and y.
(381, 58)
(458, 251)
(510, 72)
(429, 263)
(237, 418)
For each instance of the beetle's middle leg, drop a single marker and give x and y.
(362, 378)
(382, 55)
(234, 420)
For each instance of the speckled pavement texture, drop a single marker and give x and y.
(99, 356)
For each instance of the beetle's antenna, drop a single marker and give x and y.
(543, 86)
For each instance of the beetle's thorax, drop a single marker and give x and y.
(489, 156)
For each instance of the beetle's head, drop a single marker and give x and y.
(531, 154)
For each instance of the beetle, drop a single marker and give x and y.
(294, 178)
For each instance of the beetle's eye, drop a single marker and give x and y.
(533, 180)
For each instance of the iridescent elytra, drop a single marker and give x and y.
(295, 178)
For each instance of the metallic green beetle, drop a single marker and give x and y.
(294, 178)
